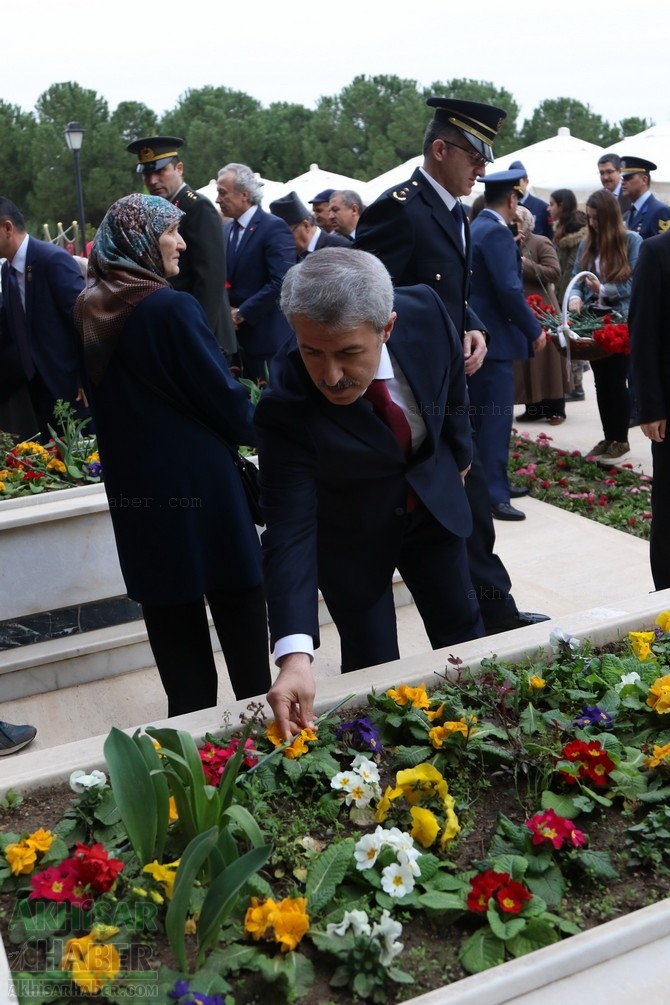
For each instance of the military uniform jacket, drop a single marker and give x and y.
(411, 230)
(202, 267)
(652, 219)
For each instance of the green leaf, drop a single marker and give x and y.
(563, 806)
(222, 895)
(192, 860)
(481, 952)
(327, 872)
(549, 885)
(435, 900)
(598, 864)
(504, 929)
(134, 791)
(537, 934)
(241, 816)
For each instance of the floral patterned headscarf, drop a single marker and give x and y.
(124, 267)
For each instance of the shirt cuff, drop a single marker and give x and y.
(293, 644)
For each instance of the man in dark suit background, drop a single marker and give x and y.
(421, 234)
(40, 283)
(649, 325)
(647, 214)
(609, 169)
(538, 207)
(499, 299)
(202, 266)
(307, 236)
(352, 488)
(260, 250)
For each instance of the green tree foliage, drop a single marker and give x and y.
(372, 125)
(580, 119)
(634, 125)
(219, 125)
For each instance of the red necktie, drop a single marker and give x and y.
(391, 414)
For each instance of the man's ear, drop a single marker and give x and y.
(388, 327)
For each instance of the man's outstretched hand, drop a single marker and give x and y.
(291, 697)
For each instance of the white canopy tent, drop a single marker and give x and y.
(654, 145)
(562, 161)
(315, 180)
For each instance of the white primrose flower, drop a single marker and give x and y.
(397, 880)
(410, 859)
(627, 678)
(360, 793)
(388, 930)
(366, 768)
(80, 781)
(367, 850)
(343, 780)
(400, 840)
(357, 921)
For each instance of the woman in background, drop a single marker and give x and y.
(569, 229)
(169, 417)
(540, 382)
(610, 252)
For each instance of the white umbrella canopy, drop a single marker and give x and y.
(315, 180)
(654, 145)
(396, 176)
(561, 161)
(271, 190)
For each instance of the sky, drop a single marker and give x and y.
(297, 51)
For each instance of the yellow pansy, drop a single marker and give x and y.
(659, 699)
(163, 874)
(640, 642)
(56, 465)
(405, 694)
(663, 620)
(537, 683)
(422, 782)
(660, 757)
(451, 824)
(425, 826)
(384, 804)
(436, 713)
(21, 858)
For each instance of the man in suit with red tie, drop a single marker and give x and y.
(40, 283)
(419, 232)
(359, 479)
(260, 251)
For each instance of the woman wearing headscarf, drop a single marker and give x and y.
(540, 382)
(168, 417)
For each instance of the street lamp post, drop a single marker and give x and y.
(74, 137)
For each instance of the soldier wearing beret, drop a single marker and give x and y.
(202, 267)
(421, 233)
(647, 215)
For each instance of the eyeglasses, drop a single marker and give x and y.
(475, 159)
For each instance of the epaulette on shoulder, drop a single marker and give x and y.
(190, 194)
(406, 192)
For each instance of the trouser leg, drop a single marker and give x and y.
(180, 641)
(240, 619)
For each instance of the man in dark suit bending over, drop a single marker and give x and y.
(364, 443)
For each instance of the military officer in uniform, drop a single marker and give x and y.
(647, 214)
(421, 233)
(202, 267)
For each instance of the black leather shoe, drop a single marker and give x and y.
(503, 511)
(521, 620)
(515, 492)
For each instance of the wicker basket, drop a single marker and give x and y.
(568, 343)
(580, 348)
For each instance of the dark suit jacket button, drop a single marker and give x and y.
(400, 511)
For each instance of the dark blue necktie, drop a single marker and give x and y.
(233, 243)
(459, 220)
(18, 323)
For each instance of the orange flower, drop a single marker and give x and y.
(21, 858)
(91, 959)
(659, 697)
(405, 694)
(284, 923)
(299, 743)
